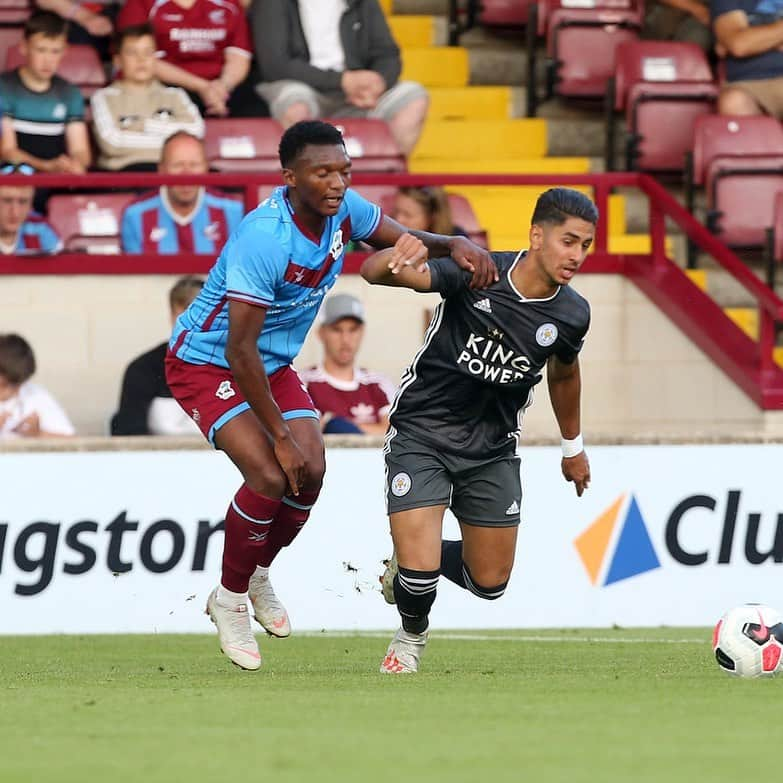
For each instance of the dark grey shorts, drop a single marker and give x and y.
(479, 492)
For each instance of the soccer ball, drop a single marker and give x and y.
(748, 641)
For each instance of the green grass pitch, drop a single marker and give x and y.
(595, 706)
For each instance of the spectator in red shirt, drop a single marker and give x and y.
(350, 399)
(203, 46)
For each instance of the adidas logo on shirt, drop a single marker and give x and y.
(512, 509)
(483, 305)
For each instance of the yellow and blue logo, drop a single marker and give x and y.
(617, 545)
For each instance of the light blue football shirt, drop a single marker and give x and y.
(272, 262)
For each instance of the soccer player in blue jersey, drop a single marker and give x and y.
(22, 231)
(180, 218)
(229, 363)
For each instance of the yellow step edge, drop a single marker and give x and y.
(747, 318)
(509, 240)
(698, 277)
(477, 139)
(777, 355)
(436, 66)
(633, 244)
(386, 6)
(617, 224)
(412, 31)
(500, 166)
(467, 103)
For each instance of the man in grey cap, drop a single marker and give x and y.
(350, 399)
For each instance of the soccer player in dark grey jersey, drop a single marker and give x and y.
(456, 418)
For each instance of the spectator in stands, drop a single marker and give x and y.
(203, 46)
(146, 404)
(749, 35)
(180, 218)
(334, 59)
(134, 116)
(349, 398)
(43, 115)
(679, 20)
(425, 209)
(27, 410)
(22, 231)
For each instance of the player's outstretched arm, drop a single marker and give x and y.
(565, 388)
(404, 265)
(466, 254)
(245, 322)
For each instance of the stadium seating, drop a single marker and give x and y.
(663, 87)
(80, 66)
(251, 144)
(581, 43)
(370, 144)
(462, 213)
(504, 13)
(9, 36)
(14, 12)
(89, 223)
(248, 144)
(739, 161)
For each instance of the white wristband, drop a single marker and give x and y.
(571, 447)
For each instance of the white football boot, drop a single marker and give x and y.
(404, 652)
(236, 637)
(268, 610)
(387, 580)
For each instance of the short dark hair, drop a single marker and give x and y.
(556, 205)
(185, 290)
(17, 360)
(133, 31)
(46, 23)
(300, 134)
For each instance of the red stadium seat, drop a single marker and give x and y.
(720, 135)
(14, 12)
(581, 43)
(663, 87)
(80, 66)
(91, 222)
(370, 144)
(247, 144)
(731, 158)
(741, 191)
(9, 36)
(505, 13)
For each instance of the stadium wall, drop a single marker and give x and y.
(130, 541)
(642, 376)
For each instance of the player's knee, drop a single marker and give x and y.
(736, 101)
(296, 112)
(267, 480)
(488, 583)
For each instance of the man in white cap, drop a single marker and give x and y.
(350, 399)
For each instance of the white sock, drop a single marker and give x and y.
(226, 597)
(262, 572)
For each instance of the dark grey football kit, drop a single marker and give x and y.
(456, 418)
